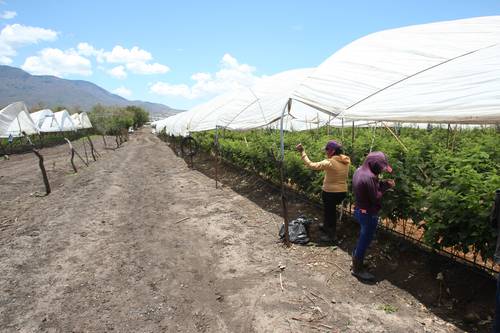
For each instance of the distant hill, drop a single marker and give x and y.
(50, 91)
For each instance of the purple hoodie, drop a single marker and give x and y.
(368, 189)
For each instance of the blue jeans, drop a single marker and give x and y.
(368, 224)
(496, 323)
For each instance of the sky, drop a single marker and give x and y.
(182, 53)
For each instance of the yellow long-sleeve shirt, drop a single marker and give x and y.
(336, 170)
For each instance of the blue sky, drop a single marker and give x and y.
(181, 53)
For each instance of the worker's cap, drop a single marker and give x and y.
(332, 145)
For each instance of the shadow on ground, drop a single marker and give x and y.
(464, 296)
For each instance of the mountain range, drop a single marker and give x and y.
(50, 92)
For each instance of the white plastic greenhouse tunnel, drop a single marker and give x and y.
(65, 121)
(46, 121)
(15, 120)
(444, 72)
(81, 120)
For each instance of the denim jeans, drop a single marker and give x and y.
(368, 224)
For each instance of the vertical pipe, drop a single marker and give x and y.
(352, 157)
(191, 153)
(448, 136)
(282, 172)
(342, 130)
(216, 148)
(328, 125)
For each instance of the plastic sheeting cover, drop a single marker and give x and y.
(65, 121)
(15, 119)
(438, 72)
(45, 121)
(81, 120)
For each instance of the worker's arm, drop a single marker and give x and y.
(313, 165)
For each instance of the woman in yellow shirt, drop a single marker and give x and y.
(334, 190)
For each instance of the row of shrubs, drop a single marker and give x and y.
(446, 181)
(117, 120)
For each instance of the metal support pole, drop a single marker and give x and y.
(282, 172)
(191, 154)
(352, 155)
(328, 125)
(216, 151)
(342, 130)
(352, 141)
(448, 137)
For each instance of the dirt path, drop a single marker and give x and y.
(138, 242)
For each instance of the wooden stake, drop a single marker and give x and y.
(72, 155)
(44, 172)
(93, 151)
(85, 149)
(395, 136)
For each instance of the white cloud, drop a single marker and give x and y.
(134, 60)
(231, 75)
(118, 72)
(166, 89)
(88, 50)
(144, 68)
(8, 14)
(121, 55)
(16, 35)
(56, 62)
(122, 91)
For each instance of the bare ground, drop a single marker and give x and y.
(139, 242)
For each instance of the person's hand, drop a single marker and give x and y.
(299, 148)
(391, 183)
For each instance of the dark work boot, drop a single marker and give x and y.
(328, 235)
(359, 271)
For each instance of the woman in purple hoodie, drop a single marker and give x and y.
(368, 191)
